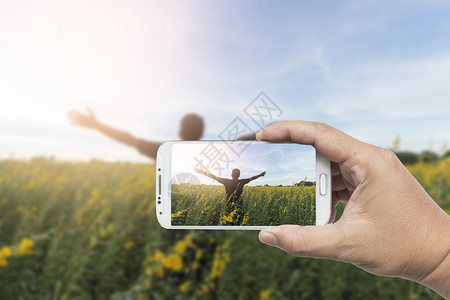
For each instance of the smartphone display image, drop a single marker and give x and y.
(209, 185)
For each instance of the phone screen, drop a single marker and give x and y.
(259, 184)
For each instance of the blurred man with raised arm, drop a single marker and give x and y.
(191, 129)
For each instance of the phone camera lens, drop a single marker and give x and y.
(160, 212)
(159, 202)
(159, 169)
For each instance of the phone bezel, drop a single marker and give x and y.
(163, 193)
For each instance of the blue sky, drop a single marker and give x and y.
(283, 163)
(376, 70)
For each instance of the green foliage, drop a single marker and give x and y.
(407, 157)
(428, 156)
(446, 154)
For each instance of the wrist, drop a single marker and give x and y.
(439, 278)
(97, 125)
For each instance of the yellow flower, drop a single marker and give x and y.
(173, 262)
(264, 294)
(189, 241)
(180, 247)
(217, 267)
(229, 219)
(178, 213)
(104, 231)
(184, 287)
(198, 254)
(160, 272)
(25, 247)
(172, 216)
(158, 256)
(3, 262)
(4, 254)
(129, 245)
(226, 244)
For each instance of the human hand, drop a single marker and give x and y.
(199, 170)
(390, 225)
(88, 120)
(263, 173)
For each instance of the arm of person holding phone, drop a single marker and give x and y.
(390, 225)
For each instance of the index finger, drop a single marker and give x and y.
(329, 141)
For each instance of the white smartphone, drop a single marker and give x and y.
(241, 185)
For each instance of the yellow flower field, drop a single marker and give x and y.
(204, 205)
(88, 230)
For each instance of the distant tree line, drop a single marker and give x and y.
(301, 183)
(305, 183)
(408, 157)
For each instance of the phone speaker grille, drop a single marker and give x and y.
(159, 185)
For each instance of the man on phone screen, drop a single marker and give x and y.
(233, 188)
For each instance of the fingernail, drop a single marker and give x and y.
(258, 135)
(268, 238)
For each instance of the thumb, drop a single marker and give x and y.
(306, 241)
(90, 112)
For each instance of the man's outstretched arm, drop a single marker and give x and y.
(257, 176)
(90, 120)
(201, 171)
